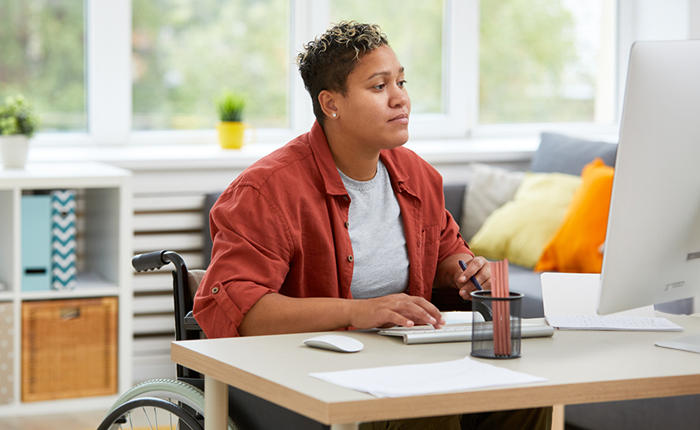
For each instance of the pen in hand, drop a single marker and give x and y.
(476, 283)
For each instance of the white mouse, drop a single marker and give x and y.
(334, 342)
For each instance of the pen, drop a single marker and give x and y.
(476, 283)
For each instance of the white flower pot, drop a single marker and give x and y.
(13, 151)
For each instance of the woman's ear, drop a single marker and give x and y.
(327, 101)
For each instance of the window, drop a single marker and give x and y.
(42, 56)
(414, 29)
(547, 61)
(185, 53)
(145, 71)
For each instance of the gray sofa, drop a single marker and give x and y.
(559, 153)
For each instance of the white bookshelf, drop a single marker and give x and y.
(106, 270)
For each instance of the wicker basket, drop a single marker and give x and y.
(69, 348)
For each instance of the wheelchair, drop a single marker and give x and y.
(166, 403)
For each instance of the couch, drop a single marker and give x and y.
(566, 155)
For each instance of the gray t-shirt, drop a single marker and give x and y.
(377, 236)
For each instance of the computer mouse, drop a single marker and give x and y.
(335, 342)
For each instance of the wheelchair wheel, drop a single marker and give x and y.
(150, 413)
(171, 390)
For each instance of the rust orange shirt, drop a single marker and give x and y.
(281, 227)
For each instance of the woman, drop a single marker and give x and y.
(342, 227)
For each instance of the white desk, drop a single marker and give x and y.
(581, 367)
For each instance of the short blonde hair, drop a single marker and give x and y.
(327, 61)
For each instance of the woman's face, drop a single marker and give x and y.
(374, 112)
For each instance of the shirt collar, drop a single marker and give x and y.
(324, 161)
(398, 176)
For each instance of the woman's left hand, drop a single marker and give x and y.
(478, 267)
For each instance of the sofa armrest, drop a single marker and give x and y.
(454, 199)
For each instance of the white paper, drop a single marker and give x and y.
(688, 343)
(577, 294)
(431, 378)
(610, 322)
(460, 317)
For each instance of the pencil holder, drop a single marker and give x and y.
(499, 335)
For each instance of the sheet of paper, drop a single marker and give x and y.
(688, 343)
(611, 322)
(460, 317)
(577, 294)
(430, 378)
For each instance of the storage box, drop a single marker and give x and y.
(69, 348)
(36, 243)
(63, 240)
(6, 355)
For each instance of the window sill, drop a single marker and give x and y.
(211, 156)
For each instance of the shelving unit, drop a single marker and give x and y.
(106, 236)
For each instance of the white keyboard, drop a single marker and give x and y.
(458, 333)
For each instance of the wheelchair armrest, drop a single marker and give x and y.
(190, 323)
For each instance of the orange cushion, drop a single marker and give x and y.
(577, 245)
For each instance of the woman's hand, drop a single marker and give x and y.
(478, 267)
(394, 309)
(451, 275)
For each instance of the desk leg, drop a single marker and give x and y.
(352, 426)
(558, 417)
(215, 404)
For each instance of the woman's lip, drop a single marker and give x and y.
(401, 119)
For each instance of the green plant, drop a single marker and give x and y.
(231, 106)
(17, 116)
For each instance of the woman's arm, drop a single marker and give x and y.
(275, 313)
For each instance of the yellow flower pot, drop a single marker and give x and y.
(231, 134)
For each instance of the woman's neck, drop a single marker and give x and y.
(352, 160)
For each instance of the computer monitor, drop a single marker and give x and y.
(652, 247)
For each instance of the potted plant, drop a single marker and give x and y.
(18, 122)
(231, 127)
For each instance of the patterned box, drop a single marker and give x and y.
(63, 242)
(6, 353)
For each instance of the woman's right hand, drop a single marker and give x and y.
(394, 309)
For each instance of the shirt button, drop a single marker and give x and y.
(215, 290)
(350, 258)
(347, 224)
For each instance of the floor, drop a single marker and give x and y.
(73, 421)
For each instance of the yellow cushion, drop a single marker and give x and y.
(577, 245)
(520, 229)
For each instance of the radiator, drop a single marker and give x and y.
(161, 221)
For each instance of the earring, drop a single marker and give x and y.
(335, 115)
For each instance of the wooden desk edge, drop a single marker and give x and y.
(438, 404)
(261, 387)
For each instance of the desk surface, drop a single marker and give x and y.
(580, 367)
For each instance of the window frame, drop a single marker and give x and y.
(109, 87)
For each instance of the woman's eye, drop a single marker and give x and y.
(402, 83)
(380, 86)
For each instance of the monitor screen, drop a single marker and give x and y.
(652, 247)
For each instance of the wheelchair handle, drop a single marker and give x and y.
(157, 259)
(149, 261)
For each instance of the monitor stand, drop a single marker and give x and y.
(687, 343)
